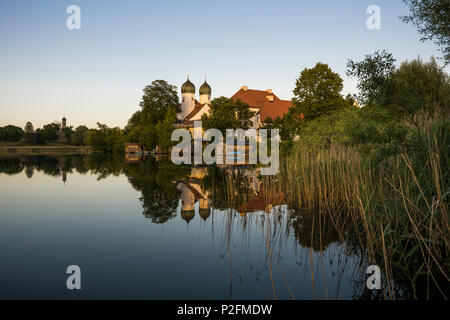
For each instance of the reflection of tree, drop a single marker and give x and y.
(155, 181)
(313, 230)
(47, 165)
(229, 187)
(29, 171)
(11, 166)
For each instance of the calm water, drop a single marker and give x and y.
(152, 230)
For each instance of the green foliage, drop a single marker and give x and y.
(11, 133)
(106, 139)
(323, 132)
(402, 92)
(76, 137)
(416, 86)
(147, 136)
(164, 130)
(287, 127)
(29, 129)
(431, 17)
(155, 181)
(317, 92)
(372, 74)
(158, 97)
(150, 125)
(48, 133)
(79, 135)
(29, 132)
(226, 113)
(134, 121)
(376, 134)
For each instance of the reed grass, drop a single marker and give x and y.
(398, 208)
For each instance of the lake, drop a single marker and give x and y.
(147, 229)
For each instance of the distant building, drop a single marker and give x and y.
(133, 147)
(264, 102)
(191, 108)
(61, 135)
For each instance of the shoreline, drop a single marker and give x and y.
(45, 150)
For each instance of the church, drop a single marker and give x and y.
(191, 108)
(264, 103)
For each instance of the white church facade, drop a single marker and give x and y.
(264, 103)
(191, 108)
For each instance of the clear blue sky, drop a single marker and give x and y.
(97, 73)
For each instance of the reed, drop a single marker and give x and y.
(398, 208)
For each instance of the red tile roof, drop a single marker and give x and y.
(258, 99)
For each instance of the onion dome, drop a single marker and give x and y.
(204, 214)
(188, 87)
(205, 89)
(187, 215)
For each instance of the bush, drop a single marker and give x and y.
(11, 133)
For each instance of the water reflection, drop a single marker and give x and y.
(266, 248)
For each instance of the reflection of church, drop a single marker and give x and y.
(191, 193)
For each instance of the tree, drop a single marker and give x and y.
(317, 92)
(431, 17)
(160, 100)
(288, 128)
(372, 74)
(134, 121)
(29, 132)
(415, 86)
(11, 133)
(158, 97)
(50, 132)
(164, 130)
(226, 113)
(78, 137)
(105, 139)
(29, 129)
(404, 91)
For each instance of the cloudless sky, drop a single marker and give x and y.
(98, 73)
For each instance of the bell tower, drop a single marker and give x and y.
(187, 99)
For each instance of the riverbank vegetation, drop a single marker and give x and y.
(383, 167)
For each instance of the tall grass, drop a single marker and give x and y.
(398, 208)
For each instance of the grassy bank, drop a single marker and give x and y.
(6, 150)
(398, 207)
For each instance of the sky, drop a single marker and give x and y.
(97, 73)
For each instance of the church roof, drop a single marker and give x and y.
(188, 215)
(187, 87)
(205, 88)
(265, 100)
(197, 108)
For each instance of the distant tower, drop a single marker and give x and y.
(187, 99)
(61, 135)
(205, 93)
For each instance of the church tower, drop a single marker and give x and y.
(205, 93)
(187, 99)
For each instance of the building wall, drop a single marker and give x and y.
(205, 98)
(198, 116)
(187, 105)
